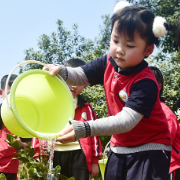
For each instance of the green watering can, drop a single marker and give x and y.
(39, 105)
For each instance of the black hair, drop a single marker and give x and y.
(3, 83)
(74, 63)
(178, 34)
(159, 78)
(11, 80)
(135, 18)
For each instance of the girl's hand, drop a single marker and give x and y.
(54, 69)
(67, 135)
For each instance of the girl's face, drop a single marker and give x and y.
(2, 92)
(128, 53)
(76, 90)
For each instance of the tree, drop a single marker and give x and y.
(58, 47)
(170, 70)
(169, 9)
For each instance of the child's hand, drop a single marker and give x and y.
(37, 159)
(24, 144)
(95, 170)
(54, 69)
(67, 135)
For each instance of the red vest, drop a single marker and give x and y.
(152, 130)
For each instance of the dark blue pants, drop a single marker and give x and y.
(145, 165)
(73, 164)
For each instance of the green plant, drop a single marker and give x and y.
(29, 168)
(2, 176)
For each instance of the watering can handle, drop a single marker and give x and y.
(20, 64)
(105, 151)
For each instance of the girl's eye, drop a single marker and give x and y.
(115, 41)
(130, 46)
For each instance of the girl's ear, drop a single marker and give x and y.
(149, 50)
(160, 86)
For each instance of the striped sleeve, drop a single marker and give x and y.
(95, 140)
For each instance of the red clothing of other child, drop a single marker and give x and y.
(7, 153)
(175, 135)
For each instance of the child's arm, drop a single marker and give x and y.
(96, 148)
(95, 144)
(95, 140)
(95, 169)
(96, 154)
(36, 146)
(91, 73)
(140, 104)
(124, 121)
(72, 76)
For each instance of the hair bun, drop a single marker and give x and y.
(120, 5)
(159, 26)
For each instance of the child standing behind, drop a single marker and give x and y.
(78, 159)
(8, 165)
(141, 141)
(174, 171)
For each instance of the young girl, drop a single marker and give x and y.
(141, 142)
